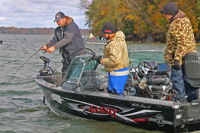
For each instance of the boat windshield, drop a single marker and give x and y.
(78, 65)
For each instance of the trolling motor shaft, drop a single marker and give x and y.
(47, 70)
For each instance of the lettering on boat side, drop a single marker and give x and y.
(102, 110)
(160, 120)
(192, 61)
(141, 106)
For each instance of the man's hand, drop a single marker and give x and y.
(51, 49)
(176, 65)
(44, 47)
(97, 59)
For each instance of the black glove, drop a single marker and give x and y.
(97, 59)
(176, 65)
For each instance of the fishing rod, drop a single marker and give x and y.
(44, 51)
(21, 67)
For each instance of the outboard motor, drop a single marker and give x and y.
(47, 70)
(192, 68)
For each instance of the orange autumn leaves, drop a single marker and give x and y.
(141, 16)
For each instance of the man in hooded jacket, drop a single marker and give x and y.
(179, 41)
(67, 38)
(115, 58)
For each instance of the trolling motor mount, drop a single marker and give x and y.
(47, 70)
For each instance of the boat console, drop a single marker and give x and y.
(151, 78)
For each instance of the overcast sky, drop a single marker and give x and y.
(38, 13)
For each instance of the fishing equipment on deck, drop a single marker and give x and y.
(47, 70)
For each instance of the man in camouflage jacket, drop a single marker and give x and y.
(115, 58)
(115, 53)
(179, 41)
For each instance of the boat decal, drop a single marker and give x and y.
(160, 120)
(124, 109)
(99, 114)
(143, 112)
(101, 110)
(79, 101)
(110, 111)
(126, 119)
(93, 110)
(74, 106)
(141, 106)
(114, 111)
(141, 120)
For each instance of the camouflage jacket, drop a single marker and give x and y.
(179, 39)
(115, 53)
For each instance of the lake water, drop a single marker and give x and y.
(21, 107)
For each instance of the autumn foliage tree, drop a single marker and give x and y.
(139, 19)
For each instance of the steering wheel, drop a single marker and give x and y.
(145, 69)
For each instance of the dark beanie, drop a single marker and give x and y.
(170, 9)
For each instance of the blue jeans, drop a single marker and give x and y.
(182, 85)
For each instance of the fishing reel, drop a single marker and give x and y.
(47, 70)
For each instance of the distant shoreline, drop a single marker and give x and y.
(32, 31)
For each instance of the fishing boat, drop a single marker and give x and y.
(95, 42)
(1, 42)
(147, 101)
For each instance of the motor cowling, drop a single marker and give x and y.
(192, 68)
(47, 70)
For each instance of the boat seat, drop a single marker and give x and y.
(159, 85)
(159, 89)
(192, 68)
(158, 80)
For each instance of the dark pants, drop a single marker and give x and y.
(182, 85)
(65, 63)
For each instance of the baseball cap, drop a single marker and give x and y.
(59, 16)
(108, 28)
(170, 9)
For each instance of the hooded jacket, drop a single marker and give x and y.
(67, 38)
(115, 53)
(179, 39)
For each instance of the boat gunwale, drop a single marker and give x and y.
(132, 99)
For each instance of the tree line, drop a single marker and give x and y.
(140, 20)
(44, 31)
(14, 30)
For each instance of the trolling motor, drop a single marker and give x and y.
(47, 70)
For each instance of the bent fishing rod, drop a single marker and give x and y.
(26, 62)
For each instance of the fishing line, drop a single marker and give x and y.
(25, 63)
(20, 68)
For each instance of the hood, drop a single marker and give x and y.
(119, 35)
(180, 14)
(69, 20)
